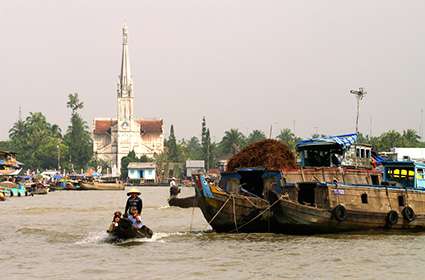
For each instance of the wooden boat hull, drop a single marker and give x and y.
(235, 213)
(295, 218)
(40, 191)
(311, 208)
(184, 202)
(125, 230)
(102, 186)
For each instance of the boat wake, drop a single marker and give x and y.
(93, 238)
(157, 237)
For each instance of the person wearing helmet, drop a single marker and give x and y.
(134, 201)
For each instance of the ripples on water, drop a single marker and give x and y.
(62, 236)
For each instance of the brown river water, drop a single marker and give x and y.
(62, 236)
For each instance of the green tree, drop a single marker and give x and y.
(173, 153)
(74, 103)
(77, 137)
(5, 145)
(255, 136)
(36, 142)
(131, 157)
(194, 149)
(207, 147)
(232, 141)
(387, 140)
(411, 139)
(287, 137)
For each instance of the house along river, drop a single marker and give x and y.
(62, 236)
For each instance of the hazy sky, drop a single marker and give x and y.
(243, 64)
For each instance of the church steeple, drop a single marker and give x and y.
(125, 85)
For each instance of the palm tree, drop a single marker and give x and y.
(74, 103)
(232, 141)
(410, 138)
(18, 130)
(288, 137)
(255, 136)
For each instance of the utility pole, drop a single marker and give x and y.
(59, 157)
(271, 129)
(359, 96)
(421, 128)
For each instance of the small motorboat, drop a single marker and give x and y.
(184, 202)
(125, 230)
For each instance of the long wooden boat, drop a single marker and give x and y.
(125, 230)
(37, 188)
(397, 203)
(183, 202)
(228, 210)
(98, 186)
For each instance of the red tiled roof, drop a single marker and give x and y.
(150, 126)
(103, 126)
(146, 126)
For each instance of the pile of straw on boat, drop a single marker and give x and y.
(270, 154)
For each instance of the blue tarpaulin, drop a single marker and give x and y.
(344, 141)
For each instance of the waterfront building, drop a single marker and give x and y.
(143, 172)
(114, 138)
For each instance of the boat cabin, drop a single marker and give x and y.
(251, 181)
(334, 151)
(408, 174)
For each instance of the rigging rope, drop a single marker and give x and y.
(218, 212)
(261, 213)
(234, 214)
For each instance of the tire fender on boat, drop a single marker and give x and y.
(408, 214)
(392, 218)
(340, 213)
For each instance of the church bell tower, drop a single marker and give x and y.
(125, 87)
(128, 131)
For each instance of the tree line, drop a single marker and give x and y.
(234, 140)
(42, 145)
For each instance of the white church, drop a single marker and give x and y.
(114, 138)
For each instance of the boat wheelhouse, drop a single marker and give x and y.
(334, 158)
(407, 174)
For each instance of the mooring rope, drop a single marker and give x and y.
(252, 203)
(193, 213)
(218, 212)
(261, 213)
(234, 214)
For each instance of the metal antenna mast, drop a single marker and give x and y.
(359, 96)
